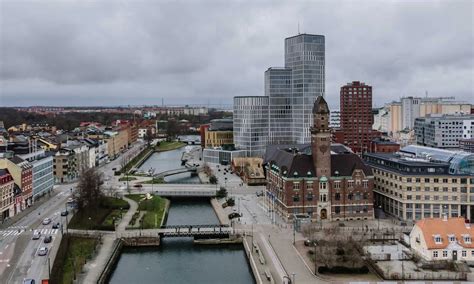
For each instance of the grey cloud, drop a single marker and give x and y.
(137, 52)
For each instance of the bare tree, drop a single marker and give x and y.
(88, 191)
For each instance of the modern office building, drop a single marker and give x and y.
(43, 174)
(422, 182)
(219, 133)
(356, 117)
(443, 131)
(400, 115)
(251, 124)
(278, 88)
(467, 145)
(305, 56)
(321, 180)
(292, 90)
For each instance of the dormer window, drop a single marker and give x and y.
(467, 239)
(452, 238)
(437, 239)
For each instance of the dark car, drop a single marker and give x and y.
(29, 281)
(64, 213)
(56, 225)
(138, 185)
(48, 239)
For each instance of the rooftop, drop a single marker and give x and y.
(445, 228)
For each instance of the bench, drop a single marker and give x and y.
(268, 275)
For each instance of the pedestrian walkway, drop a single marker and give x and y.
(94, 268)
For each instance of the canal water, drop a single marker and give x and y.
(178, 260)
(169, 160)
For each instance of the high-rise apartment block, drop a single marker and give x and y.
(291, 92)
(356, 117)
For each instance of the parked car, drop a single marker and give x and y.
(46, 221)
(48, 239)
(29, 281)
(138, 185)
(259, 193)
(43, 251)
(64, 213)
(36, 235)
(56, 225)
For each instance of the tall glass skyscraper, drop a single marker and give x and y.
(305, 56)
(278, 91)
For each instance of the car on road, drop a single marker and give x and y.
(56, 225)
(48, 239)
(36, 235)
(138, 185)
(29, 281)
(46, 221)
(43, 251)
(259, 193)
(64, 213)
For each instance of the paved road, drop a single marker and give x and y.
(18, 252)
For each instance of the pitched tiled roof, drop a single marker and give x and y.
(452, 226)
(341, 160)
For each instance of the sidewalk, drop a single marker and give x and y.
(28, 210)
(94, 268)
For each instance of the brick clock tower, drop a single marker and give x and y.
(321, 138)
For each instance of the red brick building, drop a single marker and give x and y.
(356, 117)
(323, 180)
(382, 145)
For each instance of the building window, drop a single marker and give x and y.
(445, 253)
(435, 254)
(337, 209)
(296, 198)
(408, 197)
(408, 188)
(337, 196)
(365, 183)
(437, 239)
(296, 186)
(452, 238)
(463, 253)
(337, 184)
(350, 183)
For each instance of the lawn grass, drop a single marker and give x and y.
(100, 216)
(154, 181)
(154, 210)
(166, 146)
(127, 178)
(75, 252)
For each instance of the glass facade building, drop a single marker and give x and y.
(278, 91)
(251, 124)
(305, 56)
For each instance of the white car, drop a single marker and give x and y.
(43, 251)
(36, 235)
(46, 221)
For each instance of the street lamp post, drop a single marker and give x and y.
(90, 224)
(294, 278)
(294, 230)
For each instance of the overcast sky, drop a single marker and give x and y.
(198, 52)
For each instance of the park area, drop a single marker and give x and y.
(150, 213)
(72, 255)
(103, 217)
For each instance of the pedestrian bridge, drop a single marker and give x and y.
(195, 231)
(189, 169)
(181, 190)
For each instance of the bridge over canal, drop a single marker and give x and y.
(180, 190)
(196, 231)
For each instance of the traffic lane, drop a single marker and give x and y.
(29, 222)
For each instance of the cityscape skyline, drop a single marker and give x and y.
(118, 55)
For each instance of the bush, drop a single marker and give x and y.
(230, 202)
(221, 193)
(213, 179)
(343, 270)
